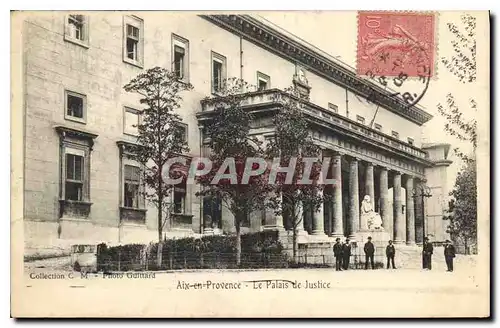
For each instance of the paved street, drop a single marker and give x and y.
(322, 292)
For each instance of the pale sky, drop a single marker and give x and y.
(336, 34)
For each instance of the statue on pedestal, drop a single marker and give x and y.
(372, 218)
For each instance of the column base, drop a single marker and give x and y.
(273, 227)
(318, 233)
(399, 242)
(337, 235)
(411, 243)
(301, 233)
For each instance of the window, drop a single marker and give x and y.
(131, 186)
(76, 29)
(75, 106)
(360, 119)
(263, 81)
(218, 72)
(74, 177)
(411, 141)
(131, 121)
(212, 212)
(334, 108)
(180, 60)
(395, 134)
(378, 127)
(180, 198)
(74, 192)
(183, 130)
(133, 40)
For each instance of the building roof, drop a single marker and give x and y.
(284, 44)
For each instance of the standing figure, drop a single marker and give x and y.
(449, 254)
(337, 252)
(369, 253)
(390, 252)
(427, 254)
(346, 254)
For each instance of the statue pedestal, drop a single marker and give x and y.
(380, 237)
(212, 231)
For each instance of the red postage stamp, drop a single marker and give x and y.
(394, 43)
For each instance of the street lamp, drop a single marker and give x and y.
(421, 192)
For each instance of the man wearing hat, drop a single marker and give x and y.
(427, 254)
(449, 254)
(369, 252)
(346, 254)
(390, 252)
(337, 252)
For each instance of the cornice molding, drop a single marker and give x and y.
(318, 116)
(65, 131)
(276, 42)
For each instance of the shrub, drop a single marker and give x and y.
(119, 258)
(261, 249)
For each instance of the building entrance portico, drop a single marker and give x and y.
(365, 162)
(341, 209)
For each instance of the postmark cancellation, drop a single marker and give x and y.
(391, 43)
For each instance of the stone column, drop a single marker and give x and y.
(419, 216)
(327, 213)
(369, 190)
(318, 222)
(273, 221)
(338, 226)
(353, 199)
(369, 183)
(384, 198)
(410, 212)
(399, 223)
(279, 217)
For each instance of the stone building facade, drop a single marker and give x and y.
(81, 185)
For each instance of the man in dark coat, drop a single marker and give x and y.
(390, 252)
(428, 249)
(337, 252)
(346, 254)
(449, 254)
(369, 252)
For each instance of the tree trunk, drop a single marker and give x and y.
(295, 245)
(238, 242)
(160, 229)
(295, 214)
(159, 254)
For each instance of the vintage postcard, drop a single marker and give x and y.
(250, 164)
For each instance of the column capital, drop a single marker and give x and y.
(353, 159)
(396, 172)
(369, 163)
(381, 167)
